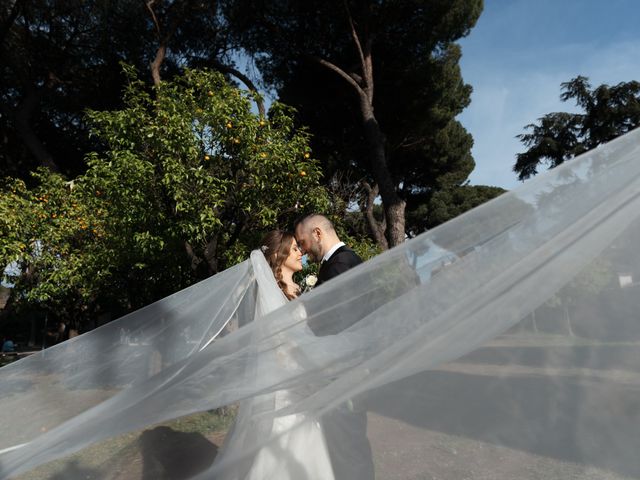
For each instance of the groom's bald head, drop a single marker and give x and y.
(315, 235)
(314, 220)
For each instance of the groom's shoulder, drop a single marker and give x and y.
(345, 255)
(343, 259)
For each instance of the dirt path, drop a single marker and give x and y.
(509, 411)
(404, 452)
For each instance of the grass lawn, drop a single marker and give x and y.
(175, 449)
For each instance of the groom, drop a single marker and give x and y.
(317, 238)
(345, 429)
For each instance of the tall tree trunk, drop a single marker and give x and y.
(195, 260)
(210, 255)
(157, 64)
(24, 113)
(376, 228)
(394, 206)
(363, 86)
(163, 38)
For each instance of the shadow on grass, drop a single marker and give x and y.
(73, 471)
(171, 454)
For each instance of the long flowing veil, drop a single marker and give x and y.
(502, 344)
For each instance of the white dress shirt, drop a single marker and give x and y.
(331, 251)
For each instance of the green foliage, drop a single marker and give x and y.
(189, 180)
(445, 204)
(418, 85)
(363, 246)
(592, 280)
(607, 112)
(60, 57)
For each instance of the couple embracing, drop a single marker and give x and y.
(335, 446)
(315, 237)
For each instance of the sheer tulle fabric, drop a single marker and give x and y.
(297, 448)
(503, 344)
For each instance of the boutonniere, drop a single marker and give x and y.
(309, 282)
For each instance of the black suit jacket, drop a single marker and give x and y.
(345, 430)
(342, 260)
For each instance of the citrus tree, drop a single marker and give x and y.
(187, 181)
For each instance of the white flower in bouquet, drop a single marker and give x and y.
(310, 282)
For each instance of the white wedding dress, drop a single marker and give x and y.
(296, 446)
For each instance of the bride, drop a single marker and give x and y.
(285, 258)
(296, 448)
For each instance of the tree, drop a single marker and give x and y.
(379, 85)
(59, 58)
(446, 204)
(607, 112)
(188, 181)
(592, 280)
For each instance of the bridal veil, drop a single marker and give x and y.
(502, 344)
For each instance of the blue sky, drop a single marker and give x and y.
(519, 53)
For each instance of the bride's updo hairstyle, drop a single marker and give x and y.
(276, 246)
